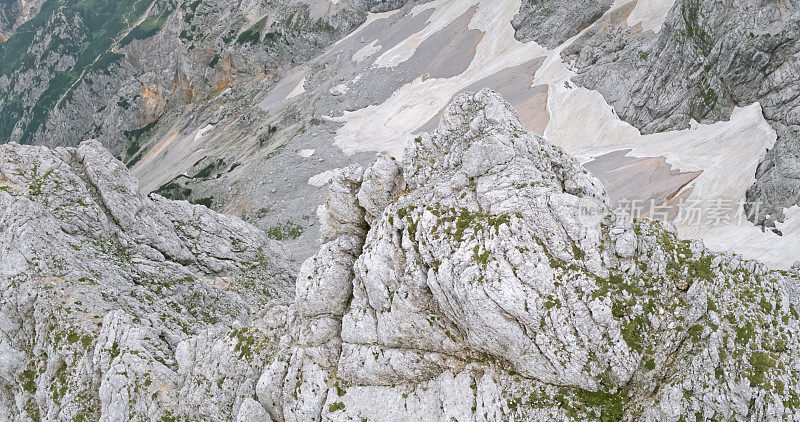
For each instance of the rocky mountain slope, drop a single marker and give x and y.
(250, 108)
(481, 277)
(551, 23)
(139, 76)
(119, 306)
(473, 271)
(708, 58)
(484, 290)
(84, 69)
(14, 13)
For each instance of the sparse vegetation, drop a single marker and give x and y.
(287, 230)
(149, 27)
(133, 150)
(249, 343)
(28, 381)
(252, 35)
(336, 407)
(690, 11)
(210, 169)
(214, 60)
(207, 201)
(264, 137)
(761, 362)
(173, 190)
(274, 153)
(701, 269)
(709, 96)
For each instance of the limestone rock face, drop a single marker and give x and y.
(495, 283)
(708, 57)
(481, 277)
(550, 23)
(378, 6)
(118, 306)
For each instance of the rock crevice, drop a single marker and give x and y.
(481, 277)
(494, 281)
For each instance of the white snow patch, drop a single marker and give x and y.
(371, 17)
(651, 14)
(322, 179)
(305, 153)
(299, 89)
(202, 132)
(581, 122)
(366, 51)
(387, 126)
(443, 14)
(726, 152)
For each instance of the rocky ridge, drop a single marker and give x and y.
(482, 277)
(193, 97)
(119, 306)
(212, 103)
(484, 290)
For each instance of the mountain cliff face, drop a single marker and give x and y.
(250, 108)
(105, 70)
(143, 77)
(551, 23)
(472, 271)
(495, 283)
(707, 58)
(481, 277)
(118, 306)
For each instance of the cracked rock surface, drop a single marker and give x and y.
(708, 57)
(117, 306)
(484, 289)
(550, 23)
(481, 277)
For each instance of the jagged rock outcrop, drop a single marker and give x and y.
(481, 277)
(550, 23)
(323, 290)
(708, 57)
(118, 306)
(159, 78)
(495, 283)
(777, 185)
(378, 6)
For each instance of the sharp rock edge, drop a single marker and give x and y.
(482, 277)
(484, 289)
(118, 306)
